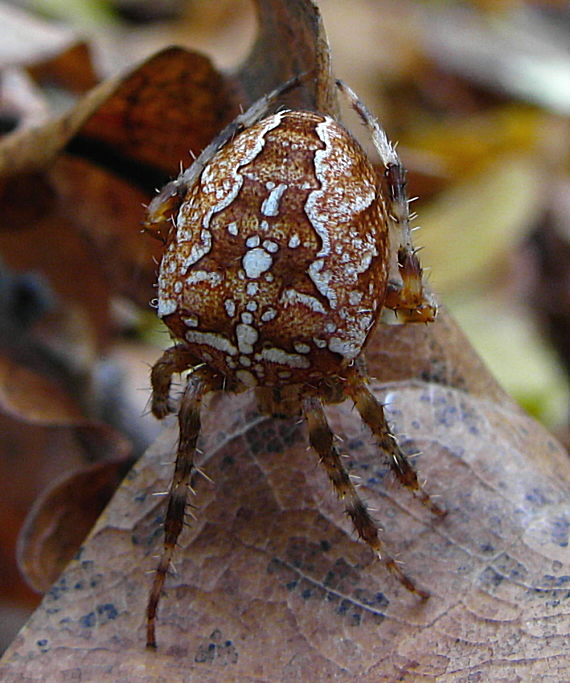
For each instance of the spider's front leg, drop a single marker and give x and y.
(406, 294)
(321, 439)
(409, 299)
(201, 380)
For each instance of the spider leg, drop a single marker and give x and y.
(174, 360)
(321, 439)
(372, 413)
(200, 382)
(407, 297)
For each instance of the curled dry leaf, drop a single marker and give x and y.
(44, 439)
(146, 121)
(61, 518)
(72, 68)
(271, 584)
(113, 127)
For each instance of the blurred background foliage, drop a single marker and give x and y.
(477, 94)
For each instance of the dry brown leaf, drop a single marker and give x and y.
(292, 32)
(118, 99)
(271, 584)
(166, 109)
(101, 210)
(73, 69)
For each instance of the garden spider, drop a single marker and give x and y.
(283, 245)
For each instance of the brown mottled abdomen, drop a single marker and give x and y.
(276, 271)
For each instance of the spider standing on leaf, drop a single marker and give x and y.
(283, 245)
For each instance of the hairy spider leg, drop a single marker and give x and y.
(201, 380)
(409, 299)
(321, 438)
(372, 413)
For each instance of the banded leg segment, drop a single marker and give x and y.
(321, 439)
(409, 298)
(200, 382)
(372, 413)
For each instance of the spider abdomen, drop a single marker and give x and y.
(276, 269)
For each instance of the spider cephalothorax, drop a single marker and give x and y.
(284, 246)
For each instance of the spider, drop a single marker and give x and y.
(283, 245)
